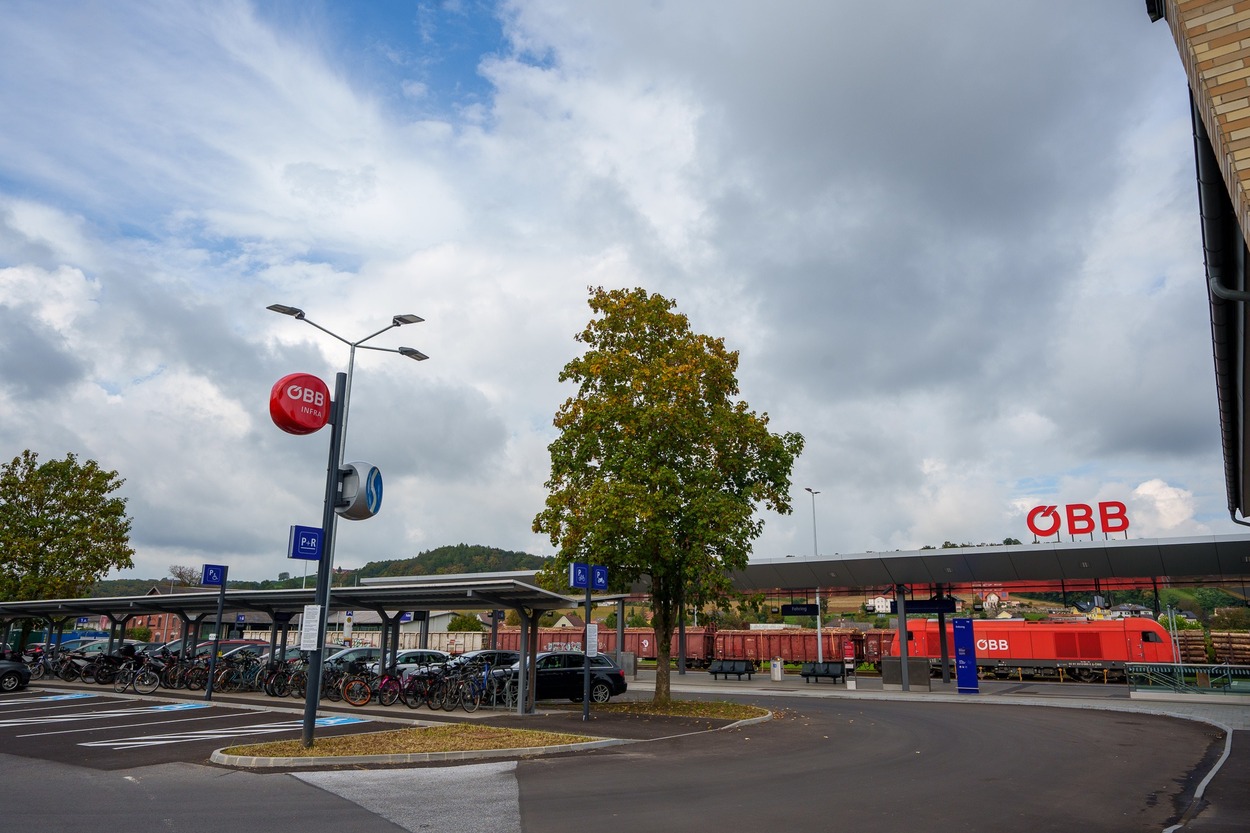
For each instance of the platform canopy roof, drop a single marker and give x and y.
(490, 592)
(1209, 557)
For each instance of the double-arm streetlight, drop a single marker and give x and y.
(338, 434)
(820, 651)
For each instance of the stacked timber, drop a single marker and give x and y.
(1231, 646)
(1193, 646)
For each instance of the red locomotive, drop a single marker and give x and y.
(1013, 649)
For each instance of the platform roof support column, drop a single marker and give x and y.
(900, 598)
(620, 629)
(384, 642)
(523, 666)
(942, 641)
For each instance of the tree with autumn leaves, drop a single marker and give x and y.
(659, 470)
(61, 527)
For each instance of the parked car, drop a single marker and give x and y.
(226, 645)
(494, 658)
(559, 676)
(348, 655)
(101, 646)
(415, 658)
(13, 675)
(293, 652)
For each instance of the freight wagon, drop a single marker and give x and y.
(1012, 649)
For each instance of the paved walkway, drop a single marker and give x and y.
(1229, 712)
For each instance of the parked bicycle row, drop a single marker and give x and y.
(416, 678)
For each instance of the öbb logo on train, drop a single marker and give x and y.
(991, 645)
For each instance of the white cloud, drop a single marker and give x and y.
(970, 276)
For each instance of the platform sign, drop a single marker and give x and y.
(965, 656)
(309, 627)
(800, 610)
(240, 618)
(304, 543)
(214, 575)
(926, 606)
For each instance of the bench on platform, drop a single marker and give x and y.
(737, 667)
(822, 671)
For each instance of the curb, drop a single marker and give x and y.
(220, 757)
(253, 762)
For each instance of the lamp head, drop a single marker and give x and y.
(400, 320)
(294, 312)
(415, 355)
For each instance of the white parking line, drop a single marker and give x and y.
(110, 727)
(80, 716)
(217, 734)
(48, 698)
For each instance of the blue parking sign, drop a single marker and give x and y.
(599, 578)
(214, 575)
(579, 574)
(304, 543)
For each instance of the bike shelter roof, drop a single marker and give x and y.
(470, 592)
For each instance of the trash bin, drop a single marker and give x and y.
(778, 670)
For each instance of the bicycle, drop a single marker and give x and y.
(137, 674)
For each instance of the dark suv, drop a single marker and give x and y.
(559, 676)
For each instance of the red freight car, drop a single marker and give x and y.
(1076, 650)
(638, 641)
(791, 644)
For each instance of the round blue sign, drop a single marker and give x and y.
(373, 490)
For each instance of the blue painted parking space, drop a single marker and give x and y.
(103, 731)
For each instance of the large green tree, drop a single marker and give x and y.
(62, 528)
(659, 470)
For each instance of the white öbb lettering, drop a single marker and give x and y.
(991, 644)
(299, 393)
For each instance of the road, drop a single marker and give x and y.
(822, 764)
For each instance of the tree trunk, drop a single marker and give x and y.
(662, 621)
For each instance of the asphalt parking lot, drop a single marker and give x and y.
(843, 759)
(101, 730)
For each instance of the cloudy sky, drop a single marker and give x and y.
(958, 251)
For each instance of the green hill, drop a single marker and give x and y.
(459, 558)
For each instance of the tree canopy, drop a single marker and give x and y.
(659, 470)
(61, 527)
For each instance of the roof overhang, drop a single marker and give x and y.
(1211, 557)
(432, 593)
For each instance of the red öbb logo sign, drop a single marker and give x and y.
(299, 403)
(1045, 521)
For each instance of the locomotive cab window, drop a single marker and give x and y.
(1150, 636)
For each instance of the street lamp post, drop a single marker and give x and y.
(329, 517)
(820, 650)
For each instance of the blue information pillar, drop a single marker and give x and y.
(965, 656)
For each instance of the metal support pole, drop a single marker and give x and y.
(586, 661)
(522, 690)
(212, 658)
(620, 630)
(820, 651)
(329, 517)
